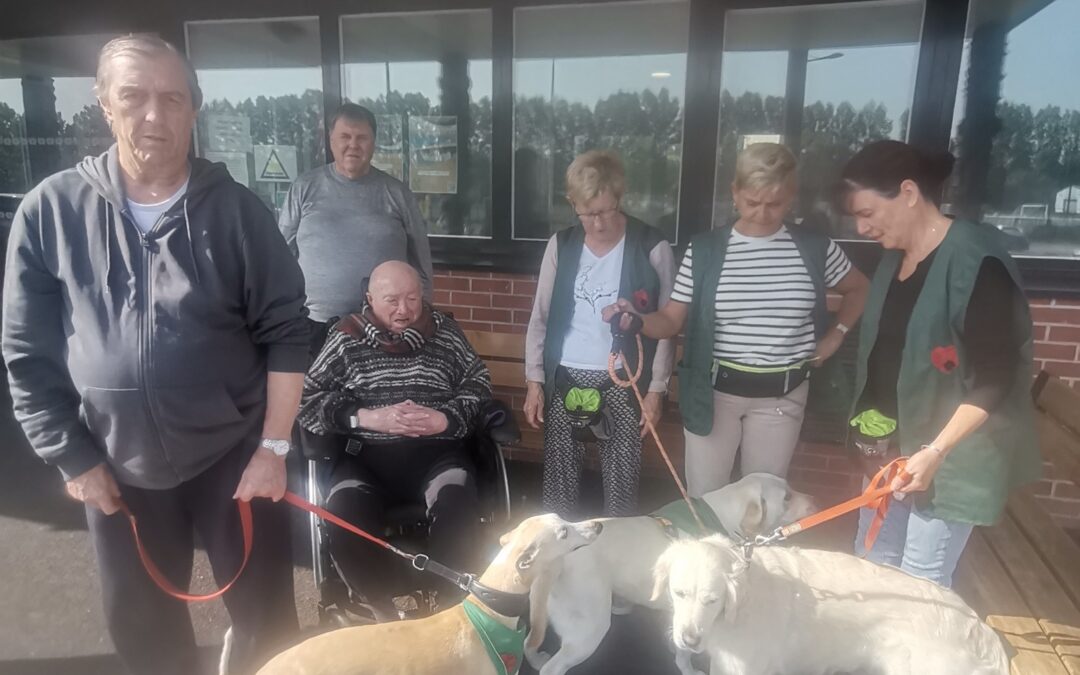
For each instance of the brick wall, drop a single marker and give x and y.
(491, 301)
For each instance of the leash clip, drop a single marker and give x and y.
(420, 561)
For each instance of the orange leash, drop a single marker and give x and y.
(631, 383)
(246, 525)
(877, 495)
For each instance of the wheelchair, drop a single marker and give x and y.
(342, 605)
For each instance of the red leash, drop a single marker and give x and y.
(247, 528)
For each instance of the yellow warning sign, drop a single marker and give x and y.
(275, 163)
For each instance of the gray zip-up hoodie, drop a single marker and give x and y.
(150, 351)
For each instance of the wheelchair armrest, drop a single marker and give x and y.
(497, 421)
(319, 447)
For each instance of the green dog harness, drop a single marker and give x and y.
(505, 646)
(677, 514)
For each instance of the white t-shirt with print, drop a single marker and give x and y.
(147, 215)
(588, 341)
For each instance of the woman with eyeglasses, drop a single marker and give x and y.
(752, 296)
(585, 268)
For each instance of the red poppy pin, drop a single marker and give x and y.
(641, 299)
(509, 662)
(945, 358)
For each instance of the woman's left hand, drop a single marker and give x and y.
(653, 408)
(919, 471)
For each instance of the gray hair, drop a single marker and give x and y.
(145, 46)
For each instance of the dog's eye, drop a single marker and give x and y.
(787, 496)
(680, 594)
(709, 600)
(562, 533)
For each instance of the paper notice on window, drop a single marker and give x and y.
(235, 162)
(389, 146)
(226, 132)
(433, 154)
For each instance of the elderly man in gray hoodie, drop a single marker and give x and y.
(155, 336)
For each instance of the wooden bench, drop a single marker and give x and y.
(1023, 574)
(504, 354)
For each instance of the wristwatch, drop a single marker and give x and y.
(354, 420)
(279, 447)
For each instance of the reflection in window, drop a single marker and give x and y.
(262, 112)
(602, 76)
(427, 77)
(824, 80)
(49, 117)
(1017, 125)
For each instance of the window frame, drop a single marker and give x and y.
(937, 79)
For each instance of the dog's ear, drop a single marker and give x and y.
(754, 516)
(660, 577)
(505, 539)
(528, 557)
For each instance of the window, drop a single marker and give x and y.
(1017, 125)
(822, 79)
(49, 116)
(262, 113)
(427, 77)
(610, 75)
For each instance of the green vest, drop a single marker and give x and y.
(695, 369)
(678, 514)
(639, 282)
(974, 480)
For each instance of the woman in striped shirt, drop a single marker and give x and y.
(754, 295)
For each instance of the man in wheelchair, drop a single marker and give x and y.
(401, 379)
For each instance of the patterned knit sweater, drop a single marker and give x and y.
(444, 374)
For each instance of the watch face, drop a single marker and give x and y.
(278, 447)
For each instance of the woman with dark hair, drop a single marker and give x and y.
(944, 361)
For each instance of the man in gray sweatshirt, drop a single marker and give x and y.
(343, 219)
(155, 336)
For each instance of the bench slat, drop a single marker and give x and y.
(1058, 617)
(987, 587)
(1057, 549)
(498, 345)
(1060, 400)
(1059, 446)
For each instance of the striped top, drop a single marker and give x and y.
(765, 299)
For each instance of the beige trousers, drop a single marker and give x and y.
(767, 430)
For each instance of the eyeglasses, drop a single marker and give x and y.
(598, 215)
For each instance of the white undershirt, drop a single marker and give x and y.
(588, 341)
(147, 215)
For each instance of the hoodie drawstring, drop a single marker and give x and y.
(108, 247)
(191, 245)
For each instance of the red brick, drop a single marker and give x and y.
(808, 461)
(1066, 490)
(514, 328)
(459, 313)
(1066, 302)
(1054, 351)
(825, 478)
(484, 314)
(525, 288)
(1063, 333)
(475, 325)
(1043, 488)
(491, 285)
(469, 273)
(471, 299)
(521, 316)
(1063, 368)
(440, 297)
(1057, 315)
(511, 301)
(1040, 302)
(446, 283)
(1042, 333)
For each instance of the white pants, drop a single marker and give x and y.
(767, 430)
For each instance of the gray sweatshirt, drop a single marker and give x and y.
(149, 351)
(341, 229)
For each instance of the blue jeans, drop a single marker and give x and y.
(913, 541)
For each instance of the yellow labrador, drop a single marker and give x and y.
(446, 642)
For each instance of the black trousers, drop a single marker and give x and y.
(438, 474)
(152, 631)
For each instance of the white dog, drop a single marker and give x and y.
(621, 561)
(446, 642)
(792, 610)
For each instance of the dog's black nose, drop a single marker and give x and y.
(598, 526)
(691, 640)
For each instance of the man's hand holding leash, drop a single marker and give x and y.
(96, 488)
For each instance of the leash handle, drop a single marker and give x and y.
(876, 495)
(247, 527)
